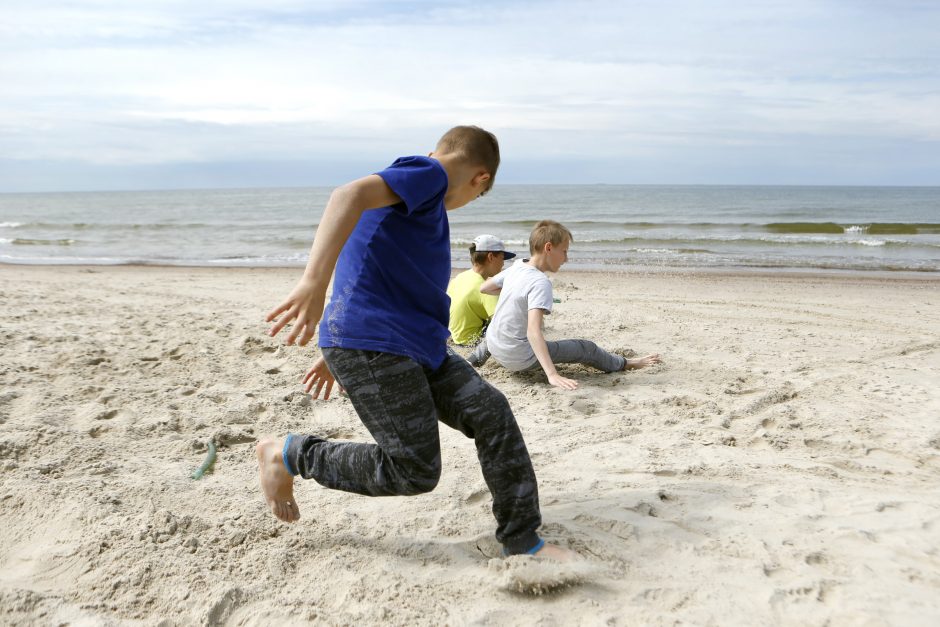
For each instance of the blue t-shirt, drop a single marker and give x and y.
(390, 288)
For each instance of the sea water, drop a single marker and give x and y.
(615, 226)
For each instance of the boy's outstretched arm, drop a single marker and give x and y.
(491, 286)
(305, 303)
(537, 341)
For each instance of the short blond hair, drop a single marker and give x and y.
(548, 231)
(479, 147)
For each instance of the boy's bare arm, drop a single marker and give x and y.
(537, 341)
(305, 303)
(490, 287)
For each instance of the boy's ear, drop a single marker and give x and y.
(482, 179)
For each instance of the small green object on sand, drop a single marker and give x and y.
(207, 464)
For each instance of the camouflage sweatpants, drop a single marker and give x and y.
(400, 402)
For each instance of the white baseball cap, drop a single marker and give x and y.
(491, 244)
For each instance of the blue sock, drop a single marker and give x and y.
(284, 456)
(535, 549)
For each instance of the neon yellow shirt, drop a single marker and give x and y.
(469, 309)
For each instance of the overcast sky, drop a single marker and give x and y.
(133, 94)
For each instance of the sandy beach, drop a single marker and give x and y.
(780, 468)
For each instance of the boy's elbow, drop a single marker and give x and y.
(342, 194)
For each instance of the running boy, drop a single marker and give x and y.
(514, 337)
(383, 338)
(470, 311)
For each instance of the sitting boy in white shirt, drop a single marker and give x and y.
(514, 337)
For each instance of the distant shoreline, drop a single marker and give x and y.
(730, 272)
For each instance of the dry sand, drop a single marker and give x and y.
(781, 467)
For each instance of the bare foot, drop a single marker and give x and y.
(276, 483)
(642, 362)
(556, 553)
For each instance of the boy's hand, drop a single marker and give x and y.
(320, 376)
(305, 305)
(559, 381)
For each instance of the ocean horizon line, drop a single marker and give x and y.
(145, 190)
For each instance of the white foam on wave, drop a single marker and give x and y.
(262, 260)
(656, 251)
(833, 240)
(856, 229)
(10, 225)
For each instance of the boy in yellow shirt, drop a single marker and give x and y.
(470, 311)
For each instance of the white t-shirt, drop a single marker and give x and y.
(523, 288)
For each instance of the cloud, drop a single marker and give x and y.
(170, 82)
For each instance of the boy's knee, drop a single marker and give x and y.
(487, 397)
(500, 402)
(498, 412)
(588, 346)
(421, 479)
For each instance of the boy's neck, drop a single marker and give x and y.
(456, 171)
(538, 262)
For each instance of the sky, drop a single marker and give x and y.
(165, 94)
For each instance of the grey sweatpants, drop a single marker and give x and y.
(400, 402)
(583, 352)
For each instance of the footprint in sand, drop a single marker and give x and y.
(96, 419)
(817, 591)
(663, 597)
(221, 609)
(251, 346)
(680, 401)
(816, 559)
(583, 406)
(618, 528)
(781, 395)
(183, 350)
(476, 496)
(740, 386)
